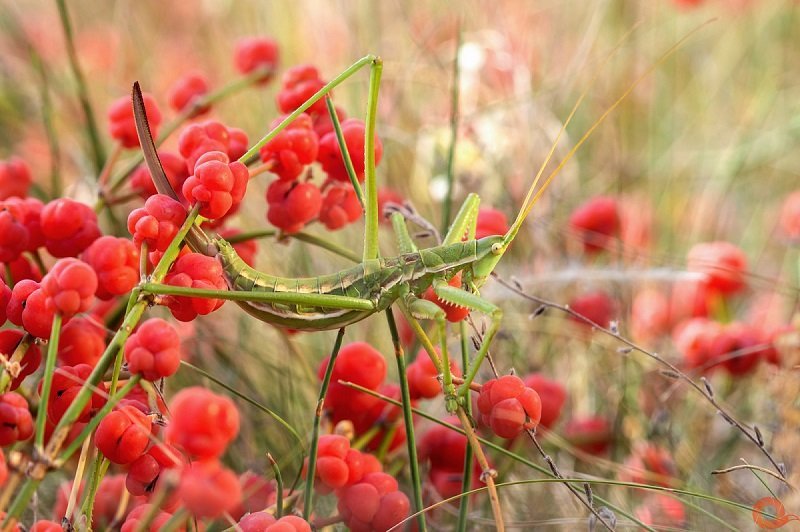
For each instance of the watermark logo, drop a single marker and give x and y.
(770, 514)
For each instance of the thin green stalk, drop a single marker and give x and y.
(278, 485)
(256, 404)
(371, 250)
(348, 162)
(411, 444)
(352, 69)
(101, 465)
(451, 151)
(175, 522)
(466, 484)
(47, 382)
(311, 471)
(83, 92)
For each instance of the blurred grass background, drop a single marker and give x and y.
(705, 149)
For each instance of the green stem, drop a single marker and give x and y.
(278, 486)
(352, 69)
(348, 162)
(47, 119)
(451, 151)
(49, 369)
(100, 468)
(466, 483)
(308, 496)
(371, 230)
(175, 522)
(411, 444)
(83, 92)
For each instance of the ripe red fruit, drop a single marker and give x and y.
(323, 123)
(13, 233)
(198, 139)
(15, 178)
(508, 406)
(157, 222)
(596, 222)
(175, 169)
(491, 222)
(153, 351)
(340, 207)
(649, 464)
(739, 347)
(67, 383)
(552, 394)
(256, 53)
(723, 264)
(69, 287)
(590, 434)
(9, 340)
(362, 364)
(135, 519)
(373, 504)
(123, 435)
(194, 270)
(188, 90)
(106, 502)
(145, 471)
(444, 448)
(257, 493)
(121, 122)
(217, 184)
(208, 489)
(453, 313)
(650, 315)
(203, 423)
(330, 156)
(16, 422)
(115, 261)
(5, 297)
(423, 382)
(597, 306)
(292, 205)
(22, 269)
(299, 83)
(45, 526)
(693, 339)
(264, 522)
(82, 341)
(293, 149)
(68, 227)
(38, 315)
(337, 464)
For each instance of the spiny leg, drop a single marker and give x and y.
(371, 196)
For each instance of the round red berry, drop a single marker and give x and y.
(122, 125)
(187, 91)
(293, 149)
(115, 261)
(208, 490)
(256, 53)
(330, 156)
(69, 227)
(123, 435)
(723, 264)
(596, 223)
(292, 205)
(300, 83)
(174, 167)
(16, 422)
(69, 287)
(9, 340)
(153, 351)
(216, 185)
(157, 222)
(202, 423)
(194, 270)
(82, 341)
(340, 207)
(15, 178)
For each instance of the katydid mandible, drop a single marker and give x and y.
(351, 295)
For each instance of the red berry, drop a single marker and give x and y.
(650, 315)
(186, 91)
(694, 339)
(292, 204)
(23, 269)
(217, 184)
(373, 504)
(739, 347)
(323, 123)
(45, 526)
(330, 156)
(596, 222)
(444, 448)
(649, 464)
(145, 471)
(202, 423)
(16, 423)
(552, 394)
(591, 434)
(454, 313)
(362, 364)
(68, 227)
(106, 503)
(257, 493)
(175, 168)
(194, 271)
(13, 233)
(340, 207)
(5, 297)
(157, 222)
(299, 83)
(38, 315)
(116, 263)
(256, 53)
(135, 519)
(491, 222)
(123, 435)
(208, 489)
(723, 264)
(293, 149)
(153, 351)
(9, 340)
(597, 306)
(423, 382)
(198, 139)
(264, 522)
(508, 406)
(82, 341)
(67, 383)
(69, 287)
(15, 178)
(121, 122)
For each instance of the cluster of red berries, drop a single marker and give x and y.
(508, 406)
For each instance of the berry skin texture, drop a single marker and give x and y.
(69, 227)
(38, 315)
(123, 435)
(253, 53)
(9, 340)
(5, 297)
(198, 139)
(597, 306)
(207, 489)
(340, 207)
(46, 526)
(453, 313)
(135, 519)
(362, 364)
(194, 270)
(292, 205)
(15, 178)
(121, 122)
(175, 168)
(67, 382)
(553, 395)
(16, 422)
(422, 377)
(217, 184)
(14, 234)
(723, 264)
(490, 222)
(330, 156)
(293, 149)
(203, 423)
(157, 222)
(264, 522)
(188, 90)
(69, 287)
(153, 350)
(115, 261)
(299, 83)
(82, 341)
(144, 472)
(508, 406)
(374, 504)
(596, 222)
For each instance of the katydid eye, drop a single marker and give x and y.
(497, 248)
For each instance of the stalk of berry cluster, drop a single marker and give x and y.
(132, 318)
(13, 362)
(47, 381)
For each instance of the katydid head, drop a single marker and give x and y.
(489, 252)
